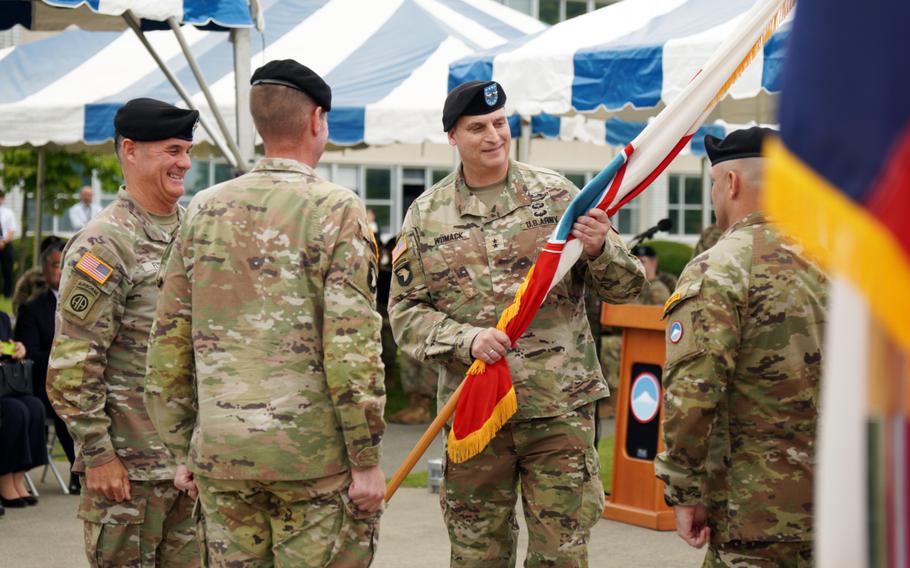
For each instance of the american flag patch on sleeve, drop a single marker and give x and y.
(94, 268)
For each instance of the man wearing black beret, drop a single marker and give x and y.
(264, 366)
(744, 358)
(465, 247)
(133, 510)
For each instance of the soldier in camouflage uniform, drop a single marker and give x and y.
(744, 339)
(707, 239)
(264, 364)
(653, 293)
(133, 513)
(466, 245)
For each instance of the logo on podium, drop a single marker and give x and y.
(645, 397)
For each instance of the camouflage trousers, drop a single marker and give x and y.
(557, 467)
(306, 523)
(760, 555)
(154, 528)
(417, 377)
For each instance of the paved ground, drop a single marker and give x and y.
(412, 532)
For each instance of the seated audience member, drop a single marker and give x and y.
(35, 329)
(22, 441)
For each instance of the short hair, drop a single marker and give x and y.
(51, 249)
(118, 142)
(279, 112)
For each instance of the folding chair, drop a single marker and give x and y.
(51, 443)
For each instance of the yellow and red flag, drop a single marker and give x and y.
(838, 181)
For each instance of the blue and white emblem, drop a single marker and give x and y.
(645, 397)
(676, 331)
(490, 94)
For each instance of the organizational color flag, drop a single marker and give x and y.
(838, 181)
(487, 399)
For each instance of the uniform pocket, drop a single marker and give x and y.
(593, 499)
(112, 529)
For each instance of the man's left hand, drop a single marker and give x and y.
(591, 230)
(692, 524)
(184, 481)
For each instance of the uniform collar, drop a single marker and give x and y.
(153, 230)
(514, 195)
(755, 218)
(282, 165)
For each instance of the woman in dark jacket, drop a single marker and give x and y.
(22, 437)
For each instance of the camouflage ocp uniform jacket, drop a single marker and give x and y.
(264, 361)
(459, 267)
(744, 340)
(96, 373)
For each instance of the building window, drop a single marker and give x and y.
(378, 197)
(686, 204)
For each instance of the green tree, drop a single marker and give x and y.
(64, 174)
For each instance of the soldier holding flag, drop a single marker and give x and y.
(465, 247)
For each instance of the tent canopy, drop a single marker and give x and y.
(104, 15)
(623, 63)
(387, 66)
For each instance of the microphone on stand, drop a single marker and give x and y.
(662, 225)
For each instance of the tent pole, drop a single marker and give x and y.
(39, 198)
(246, 138)
(524, 148)
(204, 87)
(134, 24)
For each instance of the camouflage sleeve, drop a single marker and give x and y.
(616, 275)
(420, 330)
(170, 394)
(702, 339)
(351, 336)
(93, 288)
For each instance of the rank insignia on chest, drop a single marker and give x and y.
(403, 274)
(94, 268)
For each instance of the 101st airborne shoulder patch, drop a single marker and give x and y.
(94, 268)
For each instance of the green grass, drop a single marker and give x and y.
(605, 450)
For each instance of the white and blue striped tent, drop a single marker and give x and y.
(97, 14)
(386, 60)
(635, 54)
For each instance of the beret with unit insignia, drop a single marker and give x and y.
(148, 120)
(472, 99)
(289, 73)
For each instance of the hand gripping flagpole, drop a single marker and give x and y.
(485, 400)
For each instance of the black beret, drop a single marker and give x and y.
(644, 250)
(471, 99)
(737, 145)
(291, 74)
(148, 120)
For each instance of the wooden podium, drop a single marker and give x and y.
(638, 497)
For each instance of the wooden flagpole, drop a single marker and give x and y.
(414, 456)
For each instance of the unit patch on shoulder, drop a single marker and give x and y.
(80, 298)
(94, 268)
(676, 332)
(403, 274)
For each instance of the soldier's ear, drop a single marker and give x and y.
(735, 184)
